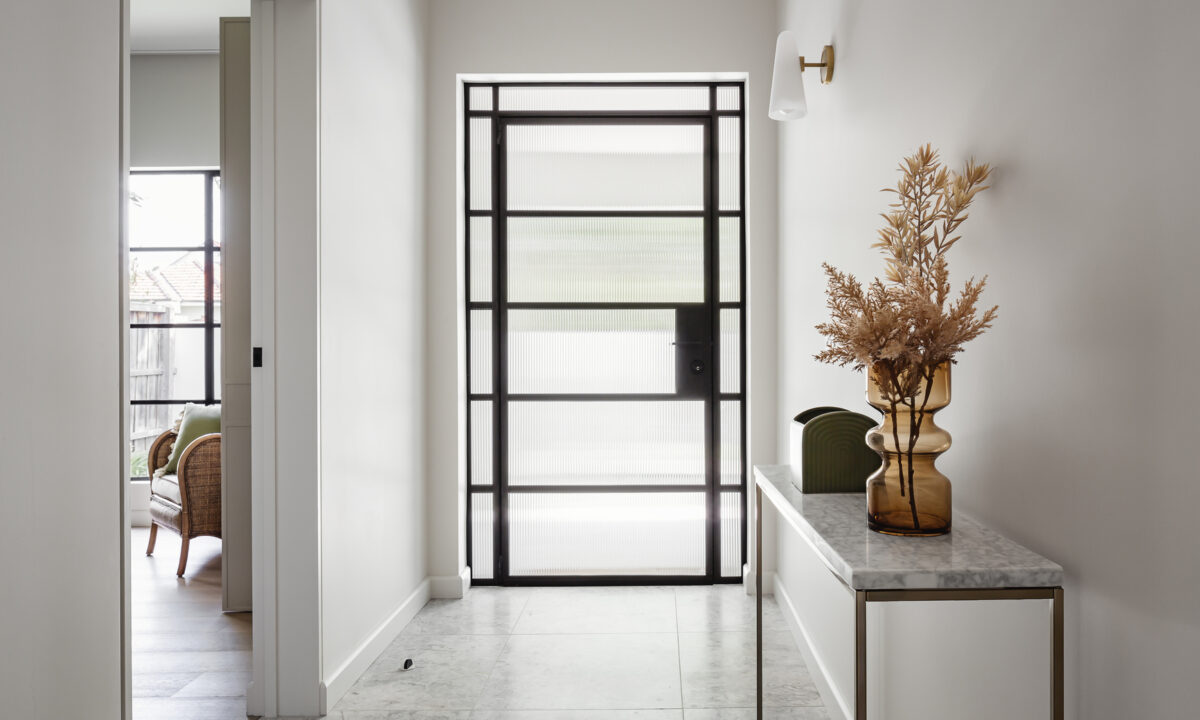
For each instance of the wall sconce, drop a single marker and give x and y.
(787, 79)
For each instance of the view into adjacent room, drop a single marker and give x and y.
(188, 314)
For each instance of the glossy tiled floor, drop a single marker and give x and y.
(654, 653)
(190, 661)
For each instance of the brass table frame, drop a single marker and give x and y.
(862, 597)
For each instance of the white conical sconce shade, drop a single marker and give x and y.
(787, 81)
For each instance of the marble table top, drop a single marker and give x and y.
(835, 524)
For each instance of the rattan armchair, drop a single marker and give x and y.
(188, 502)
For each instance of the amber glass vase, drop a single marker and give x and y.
(907, 495)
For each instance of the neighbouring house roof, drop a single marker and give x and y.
(180, 281)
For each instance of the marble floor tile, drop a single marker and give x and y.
(448, 673)
(748, 713)
(484, 611)
(719, 671)
(592, 672)
(577, 715)
(561, 611)
(683, 653)
(399, 715)
(722, 608)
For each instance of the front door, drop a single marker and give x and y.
(605, 315)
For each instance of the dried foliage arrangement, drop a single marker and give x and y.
(905, 327)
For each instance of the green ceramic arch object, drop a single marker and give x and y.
(835, 455)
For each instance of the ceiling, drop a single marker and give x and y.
(179, 25)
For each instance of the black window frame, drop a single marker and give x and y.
(713, 214)
(210, 326)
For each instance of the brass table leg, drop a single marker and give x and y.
(758, 573)
(860, 655)
(1057, 710)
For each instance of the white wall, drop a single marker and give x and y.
(339, 311)
(544, 36)
(1073, 417)
(372, 325)
(61, 411)
(174, 110)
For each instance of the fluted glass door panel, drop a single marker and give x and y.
(606, 534)
(605, 277)
(605, 167)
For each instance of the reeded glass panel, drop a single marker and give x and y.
(731, 352)
(481, 351)
(595, 259)
(482, 524)
(607, 534)
(591, 351)
(166, 210)
(168, 287)
(731, 534)
(604, 98)
(481, 164)
(606, 443)
(480, 97)
(481, 259)
(482, 435)
(730, 163)
(731, 443)
(624, 167)
(728, 98)
(730, 240)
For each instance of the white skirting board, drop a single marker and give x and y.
(450, 587)
(837, 706)
(341, 680)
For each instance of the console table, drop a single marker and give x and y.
(970, 563)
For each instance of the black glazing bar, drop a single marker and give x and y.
(603, 580)
(499, 344)
(175, 402)
(594, 305)
(598, 397)
(585, 116)
(171, 326)
(602, 489)
(469, 410)
(172, 248)
(623, 118)
(711, 284)
(606, 213)
(210, 359)
(744, 335)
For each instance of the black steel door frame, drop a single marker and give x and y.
(708, 353)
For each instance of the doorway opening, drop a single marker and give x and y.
(605, 266)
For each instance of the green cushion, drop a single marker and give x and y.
(197, 420)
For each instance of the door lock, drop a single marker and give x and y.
(697, 367)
